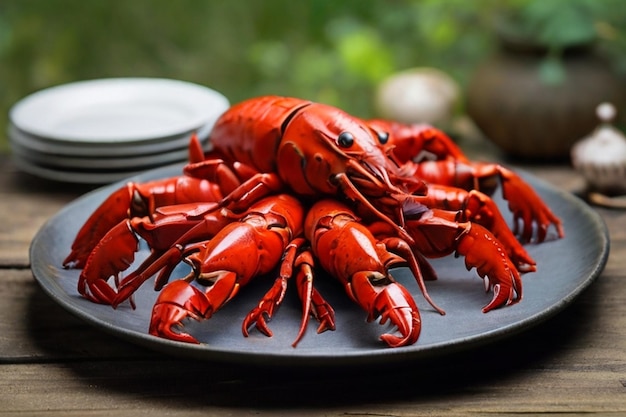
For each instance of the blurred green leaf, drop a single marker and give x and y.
(561, 23)
(552, 72)
(327, 50)
(364, 55)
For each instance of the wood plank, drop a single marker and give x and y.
(176, 387)
(35, 329)
(26, 203)
(573, 363)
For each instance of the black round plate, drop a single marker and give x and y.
(565, 268)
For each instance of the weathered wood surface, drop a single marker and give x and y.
(52, 363)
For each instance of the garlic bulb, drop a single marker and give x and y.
(418, 95)
(601, 157)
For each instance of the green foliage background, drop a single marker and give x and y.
(326, 50)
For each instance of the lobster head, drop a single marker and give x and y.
(324, 148)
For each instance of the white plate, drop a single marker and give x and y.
(72, 176)
(118, 110)
(94, 162)
(41, 145)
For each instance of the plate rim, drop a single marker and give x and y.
(134, 162)
(43, 146)
(371, 357)
(204, 101)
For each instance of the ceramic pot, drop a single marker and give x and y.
(529, 118)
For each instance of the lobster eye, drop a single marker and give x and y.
(345, 139)
(383, 137)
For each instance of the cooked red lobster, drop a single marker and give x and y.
(395, 194)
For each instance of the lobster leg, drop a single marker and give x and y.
(403, 249)
(255, 188)
(313, 304)
(165, 262)
(273, 298)
(215, 169)
(418, 141)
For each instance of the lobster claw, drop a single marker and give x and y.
(180, 300)
(484, 252)
(112, 255)
(176, 302)
(527, 208)
(382, 297)
(112, 211)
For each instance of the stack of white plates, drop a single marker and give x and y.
(105, 130)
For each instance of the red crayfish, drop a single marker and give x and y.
(296, 185)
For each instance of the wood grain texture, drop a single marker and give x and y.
(52, 363)
(26, 204)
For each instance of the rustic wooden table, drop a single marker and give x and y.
(52, 363)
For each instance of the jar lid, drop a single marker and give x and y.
(601, 156)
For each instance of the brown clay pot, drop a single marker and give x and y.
(527, 118)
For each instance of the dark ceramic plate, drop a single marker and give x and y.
(565, 268)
